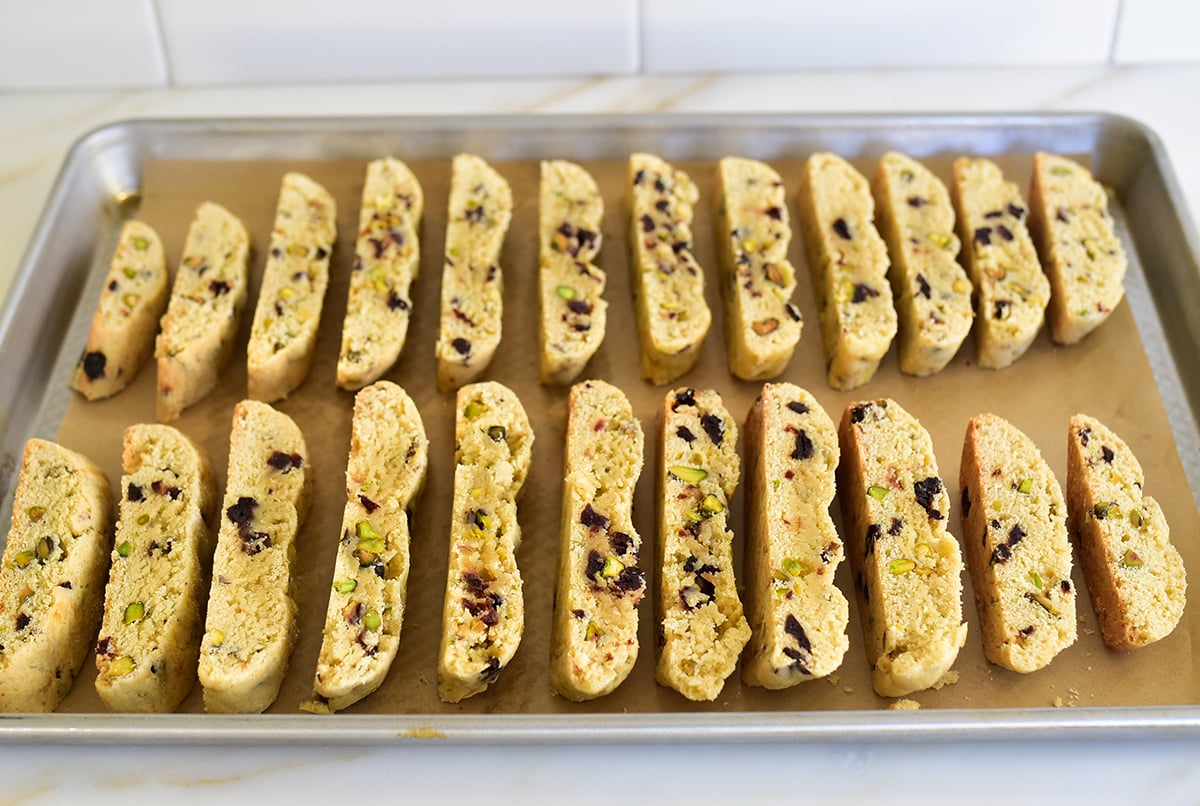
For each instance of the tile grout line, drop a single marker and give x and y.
(1116, 33)
(159, 30)
(639, 33)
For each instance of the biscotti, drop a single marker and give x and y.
(1082, 256)
(908, 566)
(667, 282)
(250, 628)
(1135, 577)
(201, 322)
(848, 260)
(284, 334)
(126, 318)
(389, 454)
(797, 616)
(387, 257)
(480, 209)
(149, 643)
(1011, 292)
(573, 313)
(703, 629)
(1015, 529)
(932, 292)
(600, 581)
(483, 616)
(762, 325)
(52, 579)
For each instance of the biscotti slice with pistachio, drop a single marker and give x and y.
(762, 325)
(387, 257)
(480, 210)
(149, 643)
(907, 564)
(1076, 242)
(1011, 292)
(1135, 577)
(703, 629)
(600, 580)
(849, 263)
(284, 334)
(933, 294)
(250, 628)
(570, 286)
(126, 319)
(203, 313)
(1015, 528)
(667, 282)
(483, 615)
(797, 615)
(389, 455)
(52, 578)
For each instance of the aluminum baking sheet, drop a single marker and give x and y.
(1125, 374)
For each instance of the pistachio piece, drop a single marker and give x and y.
(1036, 580)
(1106, 509)
(124, 548)
(36, 513)
(1135, 517)
(1026, 486)
(593, 631)
(940, 239)
(129, 272)
(129, 300)
(141, 244)
(364, 531)
(134, 611)
(23, 559)
(688, 474)
(121, 666)
(612, 567)
(44, 547)
(877, 492)
(472, 410)
(287, 292)
(901, 566)
(711, 504)
(1044, 601)
(143, 519)
(693, 516)
(749, 245)
(565, 291)
(216, 637)
(372, 620)
(1060, 170)
(794, 567)
(1131, 559)
(345, 585)
(297, 250)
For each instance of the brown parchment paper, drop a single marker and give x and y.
(1107, 376)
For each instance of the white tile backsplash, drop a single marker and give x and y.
(79, 43)
(235, 41)
(689, 36)
(1158, 32)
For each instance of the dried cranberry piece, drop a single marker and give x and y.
(134, 493)
(474, 214)
(631, 578)
(621, 542)
(685, 398)
(685, 433)
(93, 365)
(966, 502)
(647, 224)
(241, 514)
(841, 228)
(595, 564)
(592, 519)
(396, 302)
(923, 286)
(1004, 232)
(1107, 453)
(285, 461)
(1001, 554)
(863, 292)
(579, 306)
(798, 407)
(1015, 535)
(916, 201)
(894, 528)
(804, 446)
(774, 213)
(792, 627)
(925, 490)
(369, 505)
(713, 426)
(218, 288)
(874, 532)
(461, 345)
(474, 583)
(983, 235)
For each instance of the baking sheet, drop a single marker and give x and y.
(1107, 376)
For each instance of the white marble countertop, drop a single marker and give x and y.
(36, 129)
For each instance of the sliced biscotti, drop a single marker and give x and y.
(477, 220)
(201, 322)
(762, 325)
(797, 615)
(849, 263)
(52, 578)
(389, 455)
(387, 257)
(933, 294)
(1015, 529)
(126, 318)
(1011, 292)
(667, 282)
(600, 581)
(907, 564)
(1135, 577)
(149, 642)
(483, 616)
(250, 627)
(573, 312)
(1073, 231)
(703, 629)
(284, 334)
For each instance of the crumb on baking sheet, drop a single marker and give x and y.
(948, 679)
(833, 680)
(905, 705)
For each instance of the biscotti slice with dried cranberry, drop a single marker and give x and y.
(203, 313)
(284, 334)
(126, 318)
(1011, 292)
(389, 456)
(480, 210)
(573, 311)
(797, 615)
(1014, 525)
(762, 325)
(149, 642)
(933, 294)
(250, 627)
(1135, 577)
(667, 282)
(52, 578)
(907, 564)
(600, 579)
(483, 615)
(1076, 242)
(387, 258)
(849, 263)
(703, 628)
